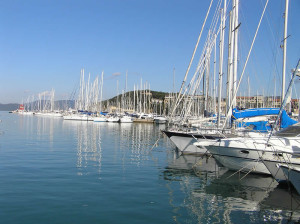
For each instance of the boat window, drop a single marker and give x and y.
(245, 151)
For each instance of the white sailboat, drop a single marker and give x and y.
(126, 119)
(101, 118)
(259, 154)
(77, 117)
(113, 118)
(186, 104)
(160, 120)
(245, 154)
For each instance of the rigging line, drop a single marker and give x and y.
(273, 60)
(206, 152)
(287, 93)
(197, 83)
(188, 89)
(204, 53)
(257, 77)
(201, 66)
(209, 44)
(216, 16)
(155, 144)
(253, 168)
(195, 49)
(238, 171)
(254, 38)
(275, 40)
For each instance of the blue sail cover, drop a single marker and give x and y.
(286, 120)
(261, 126)
(254, 112)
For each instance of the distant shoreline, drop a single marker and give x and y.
(9, 106)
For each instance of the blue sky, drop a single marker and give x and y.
(44, 44)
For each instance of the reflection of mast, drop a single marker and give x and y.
(45, 127)
(182, 169)
(88, 146)
(137, 138)
(210, 195)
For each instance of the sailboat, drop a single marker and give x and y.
(126, 119)
(113, 118)
(251, 122)
(258, 152)
(262, 154)
(101, 117)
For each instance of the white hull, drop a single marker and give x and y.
(126, 119)
(78, 117)
(100, 119)
(113, 119)
(26, 112)
(246, 154)
(160, 120)
(274, 168)
(191, 142)
(292, 173)
(185, 145)
(90, 118)
(234, 159)
(49, 114)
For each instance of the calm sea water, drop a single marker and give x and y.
(56, 171)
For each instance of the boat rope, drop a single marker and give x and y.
(155, 144)
(206, 151)
(241, 170)
(193, 55)
(288, 91)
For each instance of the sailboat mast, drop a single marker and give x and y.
(223, 14)
(284, 49)
(174, 80)
(236, 18)
(214, 78)
(206, 78)
(249, 92)
(101, 91)
(230, 61)
(189, 66)
(118, 107)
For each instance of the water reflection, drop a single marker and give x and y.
(214, 194)
(89, 150)
(253, 188)
(190, 189)
(138, 139)
(283, 202)
(182, 171)
(125, 142)
(37, 127)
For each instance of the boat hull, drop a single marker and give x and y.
(239, 159)
(249, 155)
(185, 141)
(100, 119)
(126, 119)
(293, 175)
